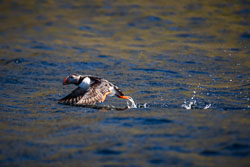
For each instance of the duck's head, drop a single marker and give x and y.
(73, 79)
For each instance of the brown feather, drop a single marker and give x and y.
(93, 95)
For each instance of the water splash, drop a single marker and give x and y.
(196, 103)
(132, 105)
(144, 105)
(188, 104)
(207, 106)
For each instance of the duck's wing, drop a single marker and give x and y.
(73, 97)
(96, 93)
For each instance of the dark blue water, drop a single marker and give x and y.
(186, 65)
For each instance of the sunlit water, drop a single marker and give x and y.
(185, 63)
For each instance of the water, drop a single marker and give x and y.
(132, 105)
(185, 63)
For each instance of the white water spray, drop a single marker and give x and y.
(132, 105)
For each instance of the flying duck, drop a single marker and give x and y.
(90, 90)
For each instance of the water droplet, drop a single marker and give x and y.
(133, 105)
(207, 106)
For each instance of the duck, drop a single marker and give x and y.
(90, 90)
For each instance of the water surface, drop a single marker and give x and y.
(185, 63)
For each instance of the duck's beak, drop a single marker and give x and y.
(65, 81)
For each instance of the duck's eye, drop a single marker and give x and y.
(71, 77)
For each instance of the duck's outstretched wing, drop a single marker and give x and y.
(91, 97)
(96, 94)
(73, 97)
